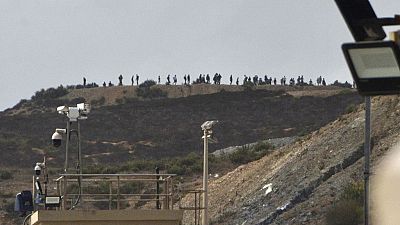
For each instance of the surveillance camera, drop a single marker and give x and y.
(208, 124)
(37, 169)
(62, 109)
(56, 139)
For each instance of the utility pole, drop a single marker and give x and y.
(207, 133)
(367, 151)
(205, 179)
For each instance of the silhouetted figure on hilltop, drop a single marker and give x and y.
(137, 79)
(104, 84)
(274, 81)
(168, 79)
(237, 81)
(132, 80)
(110, 84)
(175, 79)
(310, 83)
(84, 82)
(184, 78)
(159, 79)
(323, 82)
(120, 80)
(231, 79)
(188, 79)
(319, 80)
(208, 78)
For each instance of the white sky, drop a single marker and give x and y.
(45, 43)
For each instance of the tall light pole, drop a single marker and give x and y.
(367, 151)
(207, 132)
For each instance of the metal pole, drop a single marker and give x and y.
(158, 189)
(367, 150)
(79, 149)
(67, 146)
(79, 160)
(118, 197)
(205, 180)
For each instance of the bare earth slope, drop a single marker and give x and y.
(306, 176)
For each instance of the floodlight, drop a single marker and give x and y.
(374, 66)
(361, 20)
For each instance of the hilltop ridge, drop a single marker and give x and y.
(163, 127)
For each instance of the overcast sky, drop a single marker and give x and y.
(45, 43)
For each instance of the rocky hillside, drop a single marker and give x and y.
(123, 126)
(305, 177)
(132, 127)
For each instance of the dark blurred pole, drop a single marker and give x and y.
(158, 188)
(367, 150)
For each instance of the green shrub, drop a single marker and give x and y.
(5, 175)
(246, 154)
(242, 156)
(348, 210)
(50, 93)
(263, 147)
(147, 84)
(350, 108)
(176, 169)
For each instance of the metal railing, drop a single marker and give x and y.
(194, 204)
(111, 190)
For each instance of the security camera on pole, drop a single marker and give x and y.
(207, 136)
(74, 114)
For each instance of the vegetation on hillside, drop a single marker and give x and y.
(348, 209)
(145, 91)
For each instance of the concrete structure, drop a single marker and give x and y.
(107, 217)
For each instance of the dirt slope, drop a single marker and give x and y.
(112, 94)
(306, 176)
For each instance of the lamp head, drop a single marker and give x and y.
(374, 66)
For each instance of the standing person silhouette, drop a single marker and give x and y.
(184, 77)
(132, 80)
(188, 78)
(84, 82)
(159, 79)
(120, 80)
(137, 79)
(231, 79)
